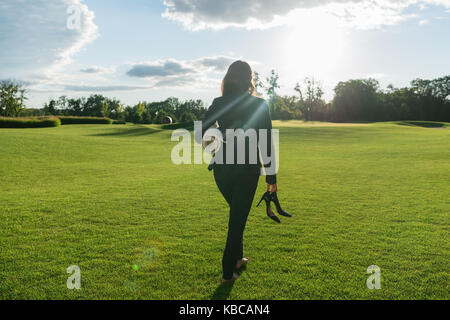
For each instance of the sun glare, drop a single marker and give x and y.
(314, 44)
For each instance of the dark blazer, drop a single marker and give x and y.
(243, 112)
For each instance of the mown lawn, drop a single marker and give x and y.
(108, 199)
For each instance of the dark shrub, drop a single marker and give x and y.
(188, 117)
(163, 118)
(29, 122)
(84, 120)
(119, 122)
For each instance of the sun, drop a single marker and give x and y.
(313, 44)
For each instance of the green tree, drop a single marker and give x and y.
(272, 84)
(12, 98)
(160, 117)
(357, 100)
(188, 117)
(311, 103)
(259, 85)
(138, 112)
(115, 109)
(94, 106)
(62, 103)
(50, 108)
(75, 106)
(105, 108)
(313, 100)
(146, 117)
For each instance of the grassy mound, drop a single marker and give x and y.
(29, 122)
(84, 120)
(424, 124)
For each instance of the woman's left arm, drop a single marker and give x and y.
(271, 177)
(208, 121)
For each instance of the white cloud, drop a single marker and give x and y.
(173, 82)
(98, 69)
(87, 88)
(199, 74)
(160, 68)
(172, 67)
(423, 22)
(37, 38)
(220, 63)
(175, 73)
(365, 14)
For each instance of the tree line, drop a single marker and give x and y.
(143, 112)
(360, 100)
(97, 105)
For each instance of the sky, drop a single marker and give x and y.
(148, 50)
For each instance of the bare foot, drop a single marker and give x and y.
(241, 263)
(233, 278)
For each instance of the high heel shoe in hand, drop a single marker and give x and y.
(267, 198)
(280, 211)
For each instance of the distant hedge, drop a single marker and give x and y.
(29, 122)
(40, 122)
(84, 120)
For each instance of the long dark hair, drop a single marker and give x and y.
(239, 79)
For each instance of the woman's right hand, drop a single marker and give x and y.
(272, 188)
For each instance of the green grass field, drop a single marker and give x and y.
(108, 199)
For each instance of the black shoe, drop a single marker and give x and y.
(267, 198)
(280, 211)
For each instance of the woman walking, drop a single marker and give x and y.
(239, 108)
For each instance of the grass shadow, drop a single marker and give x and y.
(182, 125)
(140, 130)
(223, 291)
(423, 124)
(129, 132)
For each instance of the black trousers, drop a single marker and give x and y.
(239, 191)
